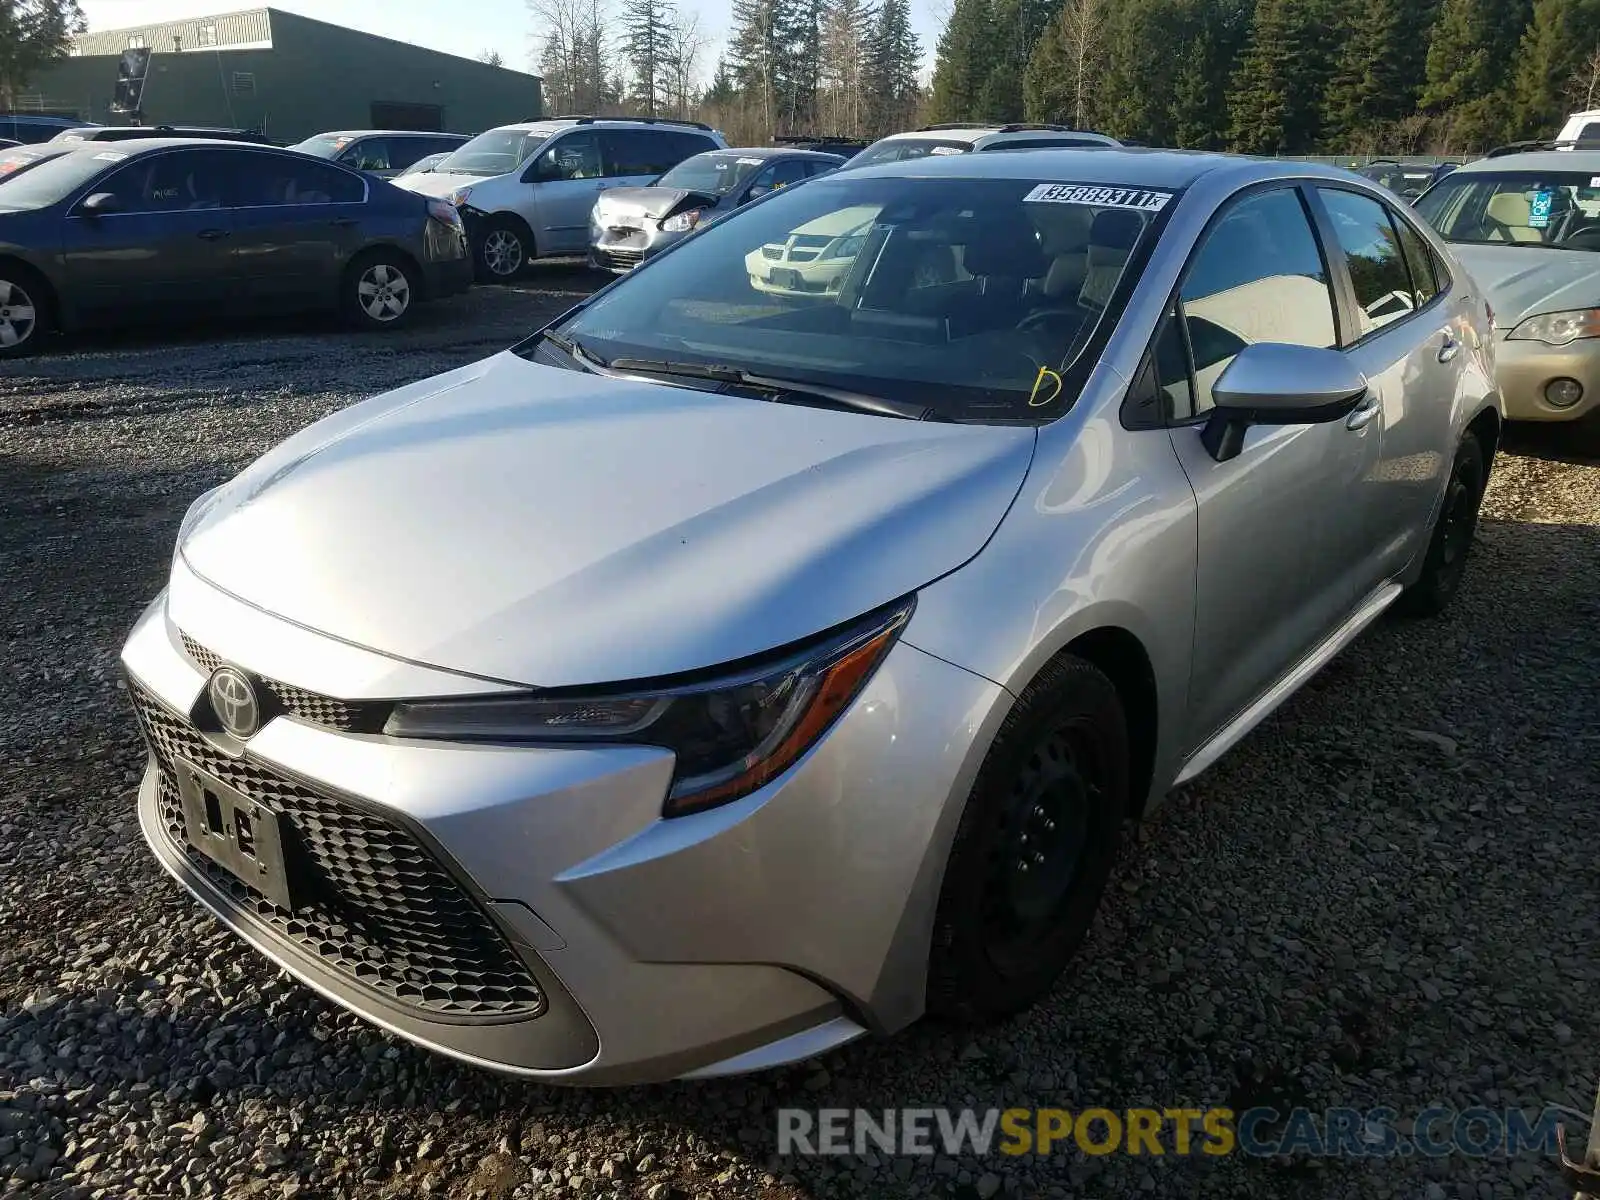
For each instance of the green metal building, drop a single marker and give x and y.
(286, 75)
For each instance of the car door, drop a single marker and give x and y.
(566, 177)
(299, 222)
(165, 248)
(1406, 340)
(1277, 562)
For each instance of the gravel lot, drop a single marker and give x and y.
(1387, 896)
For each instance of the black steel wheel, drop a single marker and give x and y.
(1453, 531)
(1035, 847)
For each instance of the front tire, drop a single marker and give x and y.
(503, 251)
(380, 291)
(1451, 542)
(24, 313)
(1034, 849)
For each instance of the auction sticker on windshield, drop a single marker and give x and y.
(1139, 199)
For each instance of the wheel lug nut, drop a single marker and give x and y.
(1038, 858)
(1049, 826)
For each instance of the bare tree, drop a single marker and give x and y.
(1585, 88)
(574, 55)
(491, 58)
(686, 42)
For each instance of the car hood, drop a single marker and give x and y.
(551, 528)
(440, 183)
(620, 204)
(1521, 282)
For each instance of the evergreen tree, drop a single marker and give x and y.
(1556, 48)
(894, 58)
(1205, 67)
(646, 37)
(1380, 66)
(755, 48)
(1274, 105)
(1137, 88)
(966, 54)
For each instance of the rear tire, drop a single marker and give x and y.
(1034, 849)
(1451, 542)
(380, 291)
(504, 250)
(24, 312)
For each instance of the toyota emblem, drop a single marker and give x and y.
(233, 699)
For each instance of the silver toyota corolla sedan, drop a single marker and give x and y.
(729, 671)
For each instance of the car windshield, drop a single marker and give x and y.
(1560, 209)
(901, 149)
(323, 146)
(46, 183)
(20, 158)
(969, 298)
(498, 152)
(717, 172)
(1400, 179)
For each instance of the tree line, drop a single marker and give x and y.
(1275, 76)
(833, 67)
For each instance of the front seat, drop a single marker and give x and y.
(1508, 213)
(1111, 241)
(1004, 255)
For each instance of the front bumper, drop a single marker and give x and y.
(622, 248)
(1523, 370)
(764, 931)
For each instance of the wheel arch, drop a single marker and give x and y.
(48, 295)
(1120, 654)
(1488, 428)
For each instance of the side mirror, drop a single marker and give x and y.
(1269, 383)
(757, 190)
(101, 203)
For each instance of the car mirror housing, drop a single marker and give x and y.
(1270, 383)
(101, 203)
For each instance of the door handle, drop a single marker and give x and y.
(1365, 411)
(212, 235)
(343, 222)
(1450, 347)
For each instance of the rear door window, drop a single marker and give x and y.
(1419, 260)
(1372, 253)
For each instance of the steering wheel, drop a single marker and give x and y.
(1039, 318)
(1582, 239)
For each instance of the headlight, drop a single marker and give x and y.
(731, 735)
(1557, 329)
(460, 196)
(681, 222)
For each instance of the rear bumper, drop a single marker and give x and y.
(1524, 369)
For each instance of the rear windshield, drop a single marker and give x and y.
(970, 297)
(1560, 209)
(902, 149)
(49, 182)
(717, 172)
(498, 152)
(323, 146)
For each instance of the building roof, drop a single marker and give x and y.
(250, 29)
(246, 29)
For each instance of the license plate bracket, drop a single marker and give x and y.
(241, 835)
(786, 277)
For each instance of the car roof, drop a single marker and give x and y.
(132, 146)
(774, 151)
(1581, 161)
(358, 133)
(558, 123)
(1115, 166)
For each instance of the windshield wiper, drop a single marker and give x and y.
(723, 373)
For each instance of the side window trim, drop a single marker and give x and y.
(1347, 286)
(1321, 232)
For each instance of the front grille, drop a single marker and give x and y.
(380, 909)
(618, 256)
(346, 716)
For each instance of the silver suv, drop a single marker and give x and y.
(526, 191)
(963, 137)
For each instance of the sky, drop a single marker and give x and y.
(467, 28)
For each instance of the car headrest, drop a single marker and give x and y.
(1509, 208)
(1004, 247)
(1115, 229)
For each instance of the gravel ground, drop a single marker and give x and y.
(1387, 896)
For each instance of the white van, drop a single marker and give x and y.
(526, 191)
